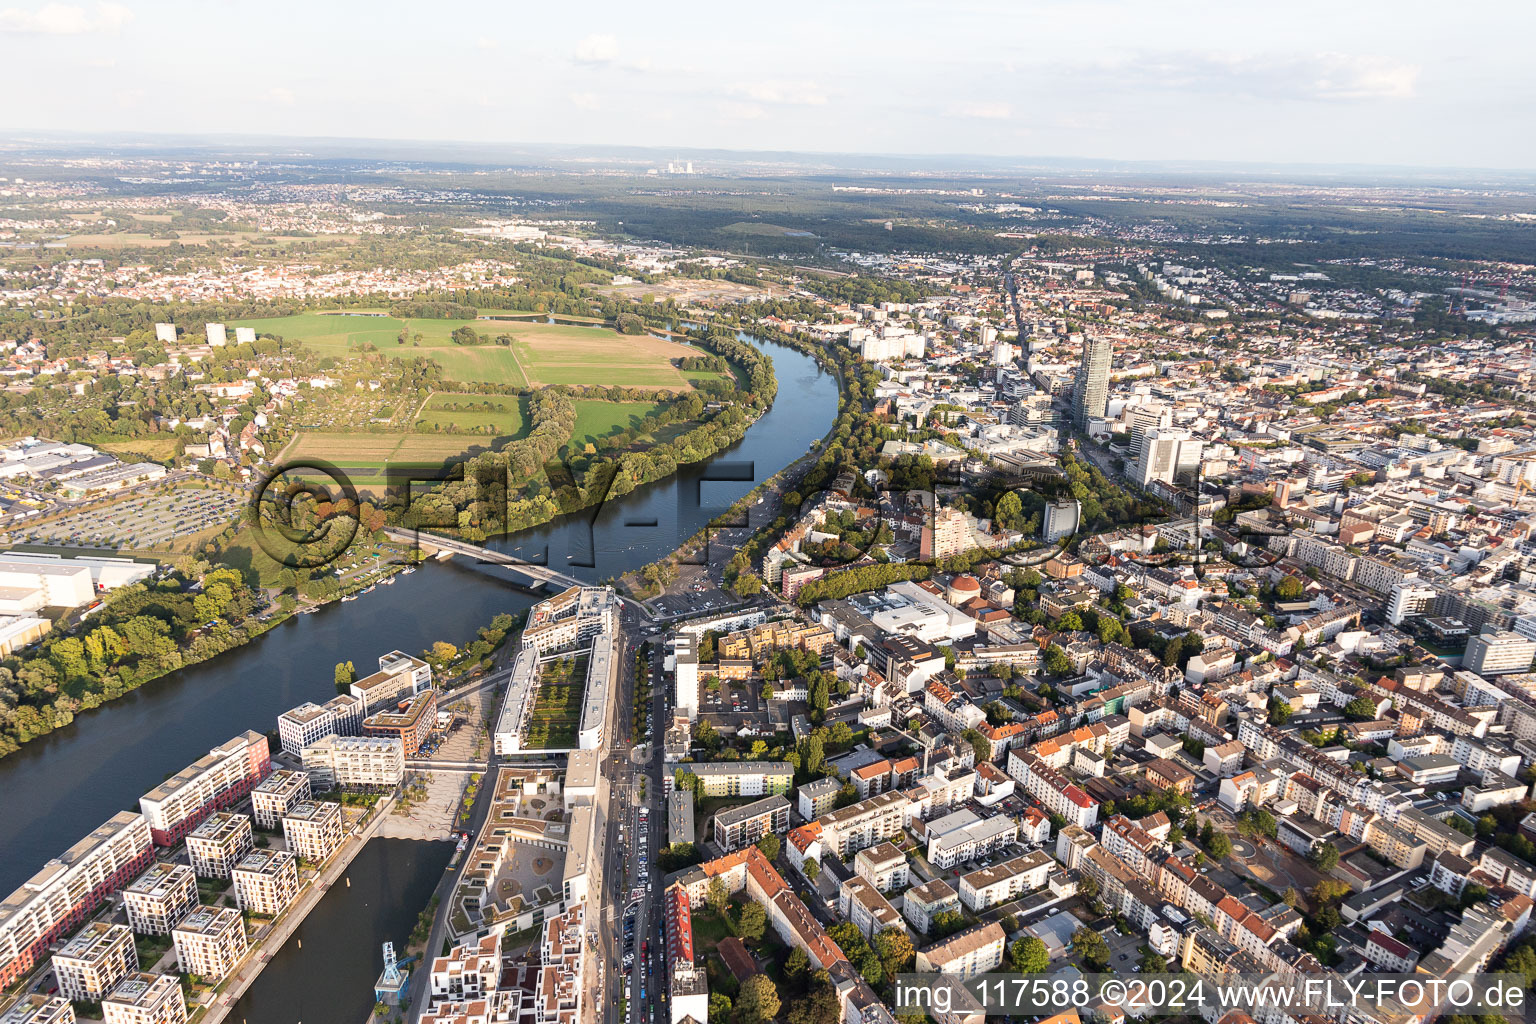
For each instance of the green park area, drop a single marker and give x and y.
(556, 716)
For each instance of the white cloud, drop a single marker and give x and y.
(1317, 76)
(585, 100)
(983, 111)
(281, 95)
(733, 111)
(486, 43)
(1346, 77)
(602, 49)
(791, 94)
(64, 19)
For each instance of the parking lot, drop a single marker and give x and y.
(147, 521)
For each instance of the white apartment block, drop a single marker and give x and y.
(67, 888)
(885, 867)
(571, 616)
(922, 903)
(989, 887)
(277, 794)
(227, 773)
(266, 881)
(91, 964)
(314, 830)
(1498, 652)
(298, 727)
(971, 840)
(39, 1009)
(355, 762)
(399, 676)
(685, 672)
(849, 829)
(158, 899)
(145, 999)
(965, 954)
(217, 845)
(210, 942)
(860, 902)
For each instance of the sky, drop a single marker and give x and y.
(1382, 82)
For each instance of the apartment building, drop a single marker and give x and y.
(969, 839)
(1057, 793)
(158, 899)
(411, 722)
(742, 778)
(817, 797)
(922, 903)
(736, 827)
(989, 887)
(217, 845)
(210, 942)
(884, 866)
(91, 964)
(1497, 652)
(571, 617)
(40, 1009)
(314, 830)
(227, 774)
(850, 829)
(354, 763)
(399, 676)
(145, 999)
(860, 902)
(266, 881)
(965, 954)
(470, 971)
(65, 891)
(298, 727)
(276, 795)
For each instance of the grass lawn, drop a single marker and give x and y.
(709, 928)
(507, 415)
(144, 447)
(565, 354)
(599, 419)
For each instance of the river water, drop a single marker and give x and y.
(57, 789)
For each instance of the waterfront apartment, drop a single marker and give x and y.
(354, 762)
(470, 970)
(217, 845)
(39, 1009)
(91, 964)
(266, 881)
(158, 899)
(227, 774)
(570, 617)
(602, 671)
(399, 676)
(276, 795)
(736, 827)
(741, 778)
(65, 891)
(145, 999)
(299, 727)
(210, 942)
(314, 830)
(411, 722)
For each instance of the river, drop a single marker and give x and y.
(58, 788)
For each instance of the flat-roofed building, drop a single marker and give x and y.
(399, 676)
(226, 775)
(570, 617)
(266, 881)
(964, 954)
(91, 964)
(680, 828)
(217, 845)
(210, 942)
(883, 866)
(159, 898)
(355, 763)
(412, 721)
(742, 778)
(817, 797)
(145, 999)
(736, 827)
(275, 795)
(314, 830)
(988, 887)
(850, 829)
(39, 1009)
(298, 727)
(973, 839)
(68, 888)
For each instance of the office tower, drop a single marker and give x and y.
(1090, 396)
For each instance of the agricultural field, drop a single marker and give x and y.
(365, 457)
(157, 448)
(556, 715)
(502, 416)
(560, 354)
